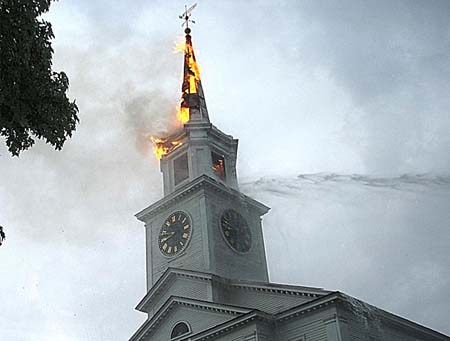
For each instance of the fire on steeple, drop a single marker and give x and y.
(192, 107)
(192, 99)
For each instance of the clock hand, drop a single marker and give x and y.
(167, 238)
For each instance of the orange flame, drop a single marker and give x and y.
(180, 45)
(163, 147)
(219, 169)
(193, 75)
(183, 114)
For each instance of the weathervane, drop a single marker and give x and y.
(186, 16)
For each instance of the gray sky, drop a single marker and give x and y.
(336, 88)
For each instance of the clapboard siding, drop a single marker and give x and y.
(269, 302)
(361, 327)
(225, 261)
(185, 287)
(372, 326)
(254, 331)
(193, 257)
(311, 327)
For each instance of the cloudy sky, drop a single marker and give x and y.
(342, 111)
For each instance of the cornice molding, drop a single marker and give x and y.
(203, 181)
(256, 315)
(247, 315)
(226, 327)
(170, 275)
(164, 282)
(281, 289)
(308, 307)
(174, 301)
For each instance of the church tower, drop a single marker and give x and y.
(206, 266)
(203, 222)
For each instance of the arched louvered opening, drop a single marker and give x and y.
(180, 328)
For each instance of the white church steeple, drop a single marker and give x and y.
(198, 148)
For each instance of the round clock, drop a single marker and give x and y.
(175, 234)
(236, 231)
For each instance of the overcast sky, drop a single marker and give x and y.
(353, 93)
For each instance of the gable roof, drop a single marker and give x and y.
(358, 308)
(333, 298)
(227, 326)
(163, 285)
(175, 301)
(256, 315)
(323, 299)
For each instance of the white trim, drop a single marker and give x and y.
(183, 335)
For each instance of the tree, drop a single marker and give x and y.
(33, 100)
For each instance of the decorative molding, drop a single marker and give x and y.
(308, 307)
(184, 335)
(174, 301)
(226, 327)
(281, 289)
(168, 277)
(203, 181)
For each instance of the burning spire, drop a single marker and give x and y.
(193, 105)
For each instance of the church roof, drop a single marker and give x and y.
(363, 309)
(163, 285)
(256, 315)
(358, 307)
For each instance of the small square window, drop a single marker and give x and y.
(181, 168)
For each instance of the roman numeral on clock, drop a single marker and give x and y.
(174, 234)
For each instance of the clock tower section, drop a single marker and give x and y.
(203, 223)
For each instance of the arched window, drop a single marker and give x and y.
(180, 328)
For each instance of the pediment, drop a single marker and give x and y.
(199, 315)
(176, 282)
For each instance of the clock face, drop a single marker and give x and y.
(175, 234)
(236, 231)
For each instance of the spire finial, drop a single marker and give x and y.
(193, 105)
(186, 16)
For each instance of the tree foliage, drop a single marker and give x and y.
(33, 100)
